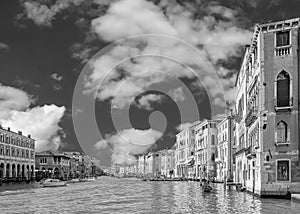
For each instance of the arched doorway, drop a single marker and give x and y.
(32, 172)
(14, 170)
(23, 171)
(27, 172)
(50, 173)
(7, 170)
(2, 170)
(44, 173)
(18, 170)
(56, 172)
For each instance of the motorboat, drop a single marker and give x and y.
(54, 183)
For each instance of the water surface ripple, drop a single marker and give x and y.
(113, 195)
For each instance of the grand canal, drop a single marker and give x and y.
(113, 195)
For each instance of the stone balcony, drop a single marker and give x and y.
(282, 51)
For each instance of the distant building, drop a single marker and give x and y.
(185, 153)
(205, 148)
(224, 149)
(17, 154)
(51, 164)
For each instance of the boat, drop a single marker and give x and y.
(54, 183)
(91, 179)
(74, 180)
(207, 188)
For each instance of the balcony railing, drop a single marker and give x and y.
(251, 116)
(282, 51)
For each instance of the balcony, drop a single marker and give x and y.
(251, 116)
(282, 51)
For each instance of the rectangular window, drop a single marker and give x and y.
(283, 169)
(282, 38)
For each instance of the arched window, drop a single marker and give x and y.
(281, 132)
(283, 89)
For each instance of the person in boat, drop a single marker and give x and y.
(206, 186)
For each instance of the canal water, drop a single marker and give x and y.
(113, 195)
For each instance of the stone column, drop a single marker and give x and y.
(10, 170)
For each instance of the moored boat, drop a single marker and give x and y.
(54, 183)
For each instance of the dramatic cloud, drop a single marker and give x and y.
(127, 143)
(42, 14)
(216, 39)
(42, 122)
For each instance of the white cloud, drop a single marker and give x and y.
(219, 39)
(42, 122)
(13, 99)
(127, 143)
(57, 77)
(130, 18)
(42, 15)
(146, 101)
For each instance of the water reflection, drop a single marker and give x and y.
(112, 195)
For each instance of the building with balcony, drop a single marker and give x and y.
(267, 122)
(17, 155)
(185, 153)
(205, 148)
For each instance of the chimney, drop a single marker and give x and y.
(29, 136)
(19, 132)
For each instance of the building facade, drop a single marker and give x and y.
(205, 148)
(267, 132)
(224, 150)
(17, 155)
(185, 153)
(51, 164)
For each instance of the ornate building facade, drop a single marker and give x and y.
(17, 154)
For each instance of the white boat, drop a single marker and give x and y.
(91, 179)
(54, 183)
(74, 180)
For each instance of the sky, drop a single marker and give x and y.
(115, 79)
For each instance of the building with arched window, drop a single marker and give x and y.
(17, 154)
(269, 153)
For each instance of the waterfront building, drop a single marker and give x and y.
(167, 162)
(185, 148)
(51, 164)
(205, 148)
(240, 160)
(141, 165)
(17, 155)
(224, 149)
(267, 120)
